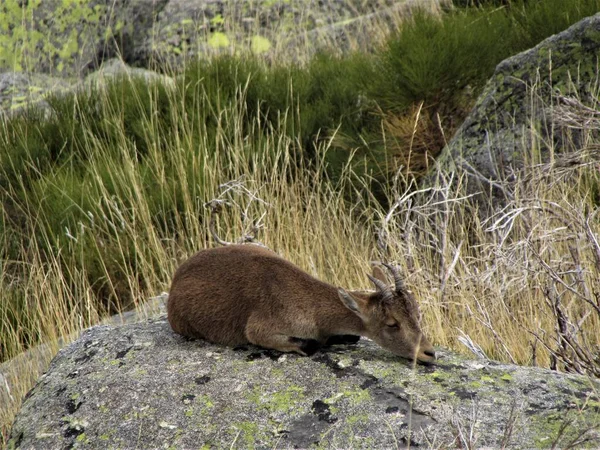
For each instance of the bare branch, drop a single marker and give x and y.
(231, 189)
(216, 206)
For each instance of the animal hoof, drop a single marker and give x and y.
(306, 346)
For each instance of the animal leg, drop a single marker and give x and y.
(307, 346)
(342, 339)
(270, 338)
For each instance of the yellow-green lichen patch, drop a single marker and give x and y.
(248, 431)
(140, 373)
(249, 435)
(218, 40)
(438, 376)
(279, 401)
(561, 429)
(332, 401)
(382, 371)
(217, 20)
(34, 35)
(259, 44)
(286, 400)
(279, 373)
(357, 396)
(205, 404)
(506, 377)
(357, 419)
(334, 398)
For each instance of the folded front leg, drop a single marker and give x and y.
(342, 339)
(269, 337)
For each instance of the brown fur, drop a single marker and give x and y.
(243, 294)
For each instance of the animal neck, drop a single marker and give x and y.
(340, 320)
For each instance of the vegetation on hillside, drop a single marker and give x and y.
(104, 194)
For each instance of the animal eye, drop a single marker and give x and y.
(392, 326)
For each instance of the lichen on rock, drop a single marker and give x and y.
(141, 384)
(495, 138)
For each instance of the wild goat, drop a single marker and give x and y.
(243, 294)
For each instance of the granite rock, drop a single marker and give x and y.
(141, 385)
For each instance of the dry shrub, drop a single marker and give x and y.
(517, 282)
(413, 138)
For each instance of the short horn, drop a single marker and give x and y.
(397, 278)
(381, 287)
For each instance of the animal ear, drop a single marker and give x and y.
(380, 275)
(349, 301)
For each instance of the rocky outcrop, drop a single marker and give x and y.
(494, 140)
(143, 386)
(36, 360)
(71, 38)
(67, 41)
(17, 89)
(188, 28)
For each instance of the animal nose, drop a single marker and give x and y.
(430, 353)
(426, 356)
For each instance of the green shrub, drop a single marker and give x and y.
(535, 20)
(315, 97)
(433, 59)
(480, 3)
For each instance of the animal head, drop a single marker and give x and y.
(391, 317)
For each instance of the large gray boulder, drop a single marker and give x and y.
(494, 140)
(18, 89)
(71, 38)
(68, 41)
(36, 360)
(185, 29)
(140, 385)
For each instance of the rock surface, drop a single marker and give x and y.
(37, 359)
(494, 139)
(17, 89)
(62, 42)
(140, 385)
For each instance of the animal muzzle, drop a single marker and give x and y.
(426, 355)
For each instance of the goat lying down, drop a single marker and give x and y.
(243, 294)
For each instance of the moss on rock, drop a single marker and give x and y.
(494, 139)
(194, 394)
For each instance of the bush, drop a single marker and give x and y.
(433, 59)
(480, 3)
(535, 20)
